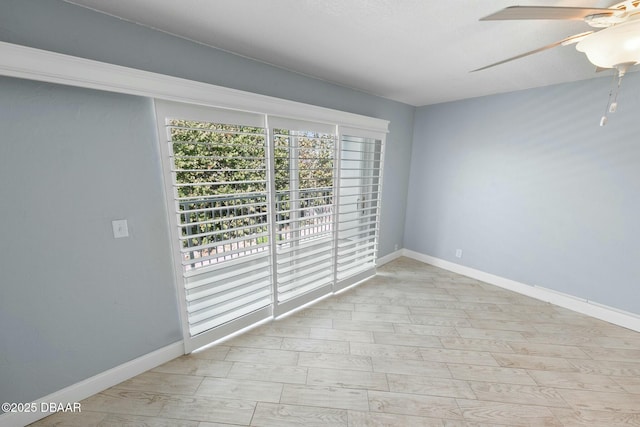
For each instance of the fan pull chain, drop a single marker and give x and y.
(607, 110)
(612, 106)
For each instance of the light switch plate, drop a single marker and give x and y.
(120, 228)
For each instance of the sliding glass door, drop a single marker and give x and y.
(268, 213)
(304, 181)
(218, 184)
(358, 206)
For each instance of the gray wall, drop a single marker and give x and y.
(61, 27)
(532, 189)
(74, 301)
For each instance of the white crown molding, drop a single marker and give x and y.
(580, 305)
(102, 381)
(41, 65)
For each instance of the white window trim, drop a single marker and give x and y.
(41, 65)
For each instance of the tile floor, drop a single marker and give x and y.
(414, 346)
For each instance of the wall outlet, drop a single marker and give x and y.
(395, 247)
(458, 253)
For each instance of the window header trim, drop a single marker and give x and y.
(41, 65)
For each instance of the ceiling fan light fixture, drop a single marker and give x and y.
(612, 46)
(616, 46)
(632, 44)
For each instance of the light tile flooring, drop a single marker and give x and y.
(414, 346)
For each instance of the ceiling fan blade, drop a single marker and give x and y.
(564, 41)
(546, 12)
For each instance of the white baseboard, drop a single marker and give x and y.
(580, 305)
(388, 258)
(95, 384)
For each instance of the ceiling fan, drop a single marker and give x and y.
(615, 44)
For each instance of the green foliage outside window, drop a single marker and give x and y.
(221, 176)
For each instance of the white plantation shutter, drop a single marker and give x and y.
(304, 185)
(219, 169)
(359, 194)
(267, 213)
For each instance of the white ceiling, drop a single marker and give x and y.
(418, 52)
